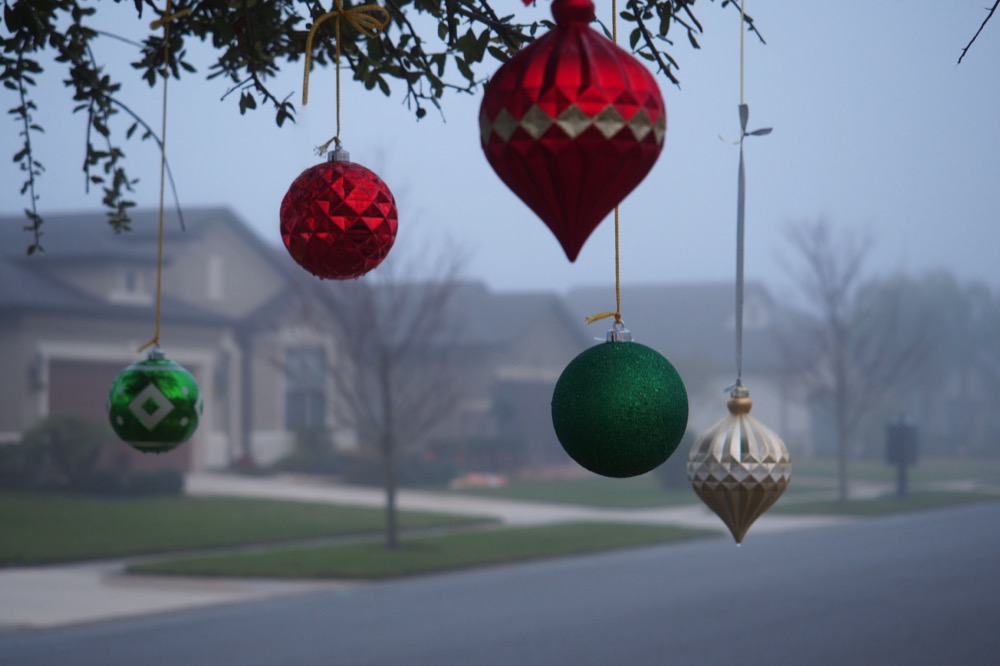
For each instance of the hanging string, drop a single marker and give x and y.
(162, 22)
(743, 18)
(617, 314)
(740, 216)
(741, 208)
(361, 19)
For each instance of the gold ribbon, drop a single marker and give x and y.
(362, 18)
(162, 22)
(167, 18)
(617, 312)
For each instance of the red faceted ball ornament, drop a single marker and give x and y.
(572, 124)
(338, 219)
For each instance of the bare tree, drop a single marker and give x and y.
(847, 346)
(395, 377)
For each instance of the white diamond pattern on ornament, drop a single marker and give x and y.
(163, 406)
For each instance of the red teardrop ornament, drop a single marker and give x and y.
(338, 219)
(572, 124)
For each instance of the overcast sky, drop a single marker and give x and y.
(875, 128)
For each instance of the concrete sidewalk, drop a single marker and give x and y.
(50, 596)
(509, 512)
(37, 597)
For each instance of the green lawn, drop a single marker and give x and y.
(36, 529)
(927, 471)
(916, 501)
(636, 493)
(808, 477)
(420, 555)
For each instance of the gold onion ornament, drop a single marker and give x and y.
(739, 468)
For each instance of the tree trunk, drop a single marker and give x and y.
(842, 447)
(388, 454)
(841, 396)
(389, 476)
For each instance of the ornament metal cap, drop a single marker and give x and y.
(567, 11)
(338, 154)
(156, 353)
(619, 333)
(739, 400)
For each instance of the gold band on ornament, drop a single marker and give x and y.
(573, 122)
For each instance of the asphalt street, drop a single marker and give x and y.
(908, 589)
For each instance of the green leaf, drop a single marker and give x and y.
(464, 68)
(498, 53)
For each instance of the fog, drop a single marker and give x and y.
(877, 132)
(875, 128)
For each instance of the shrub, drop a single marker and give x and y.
(64, 446)
(130, 483)
(13, 466)
(313, 454)
(412, 469)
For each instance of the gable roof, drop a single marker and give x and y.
(86, 237)
(497, 319)
(694, 321)
(26, 290)
(473, 316)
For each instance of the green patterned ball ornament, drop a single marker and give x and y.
(154, 404)
(620, 408)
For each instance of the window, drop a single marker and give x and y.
(131, 281)
(214, 278)
(130, 287)
(305, 388)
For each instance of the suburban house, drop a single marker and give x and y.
(260, 337)
(248, 323)
(73, 316)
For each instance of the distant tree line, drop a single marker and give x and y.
(867, 350)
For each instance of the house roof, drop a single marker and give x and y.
(472, 317)
(86, 237)
(491, 319)
(693, 321)
(21, 287)
(25, 290)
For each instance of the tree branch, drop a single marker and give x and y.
(975, 36)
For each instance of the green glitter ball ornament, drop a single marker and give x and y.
(620, 408)
(154, 404)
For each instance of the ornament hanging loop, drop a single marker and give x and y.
(338, 154)
(619, 333)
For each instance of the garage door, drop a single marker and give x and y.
(81, 387)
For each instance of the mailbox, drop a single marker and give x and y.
(901, 443)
